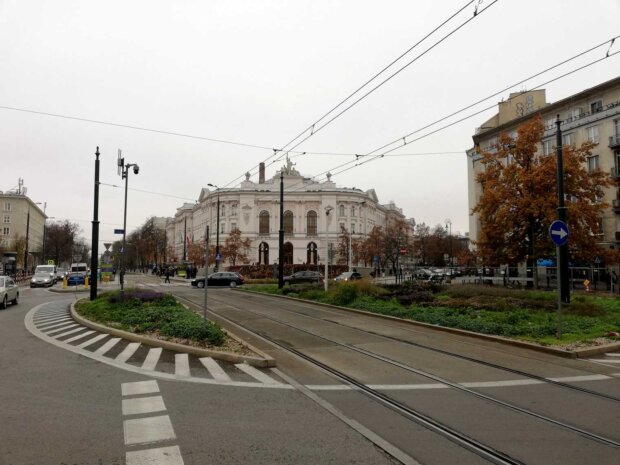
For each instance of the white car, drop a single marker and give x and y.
(9, 292)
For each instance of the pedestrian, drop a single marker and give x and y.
(167, 280)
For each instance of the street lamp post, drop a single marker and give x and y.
(449, 228)
(125, 175)
(327, 210)
(217, 230)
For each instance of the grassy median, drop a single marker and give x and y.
(494, 310)
(149, 312)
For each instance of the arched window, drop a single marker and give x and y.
(288, 222)
(263, 254)
(288, 253)
(312, 254)
(341, 210)
(263, 222)
(311, 223)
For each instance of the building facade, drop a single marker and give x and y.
(314, 215)
(593, 114)
(23, 226)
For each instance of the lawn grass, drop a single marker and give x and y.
(519, 314)
(144, 311)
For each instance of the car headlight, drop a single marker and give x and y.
(33, 280)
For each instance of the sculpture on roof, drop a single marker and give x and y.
(288, 168)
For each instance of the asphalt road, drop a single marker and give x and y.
(63, 408)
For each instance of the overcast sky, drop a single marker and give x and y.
(259, 73)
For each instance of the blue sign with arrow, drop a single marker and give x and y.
(558, 231)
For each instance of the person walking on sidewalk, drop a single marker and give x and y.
(167, 280)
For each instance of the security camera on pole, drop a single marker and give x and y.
(123, 171)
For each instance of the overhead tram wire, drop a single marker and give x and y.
(312, 126)
(357, 161)
(315, 130)
(149, 192)
(136, 128)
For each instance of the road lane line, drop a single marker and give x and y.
(92, 341)
(161, 456)
(58, 330)
(181, 365)
(107, 346)
(79, 336)
(150, 362)
(148, 430)
(256, 374)
(141, 405)
(139, 387)
(128, 352)
(215, 370)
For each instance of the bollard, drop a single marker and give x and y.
(64, 282)
(86, 282)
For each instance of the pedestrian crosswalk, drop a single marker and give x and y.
(53, 322)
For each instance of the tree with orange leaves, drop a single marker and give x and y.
(519, 199)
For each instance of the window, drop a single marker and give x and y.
(352, 228)
(575, 113)
(548, 147)
(288, 222)
(233, 226)
(592, 133)
(263, 222)
(550, 123)
(592, 163)
(352, 211)
(342, 227)
(341, 210)
(596, 106)
(222, 210)
(233, 210)
(7, 206)
(617, 124)
(288, 253)
(6, 231)
(222, 228)
(7, 219)
(311, 223)
(568, 139)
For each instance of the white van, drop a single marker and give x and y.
(51, 269)
(79, 268)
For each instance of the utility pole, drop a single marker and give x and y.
(281, 234)
(563, 250)
(94, 259)
(185, 239)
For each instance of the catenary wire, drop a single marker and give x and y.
(312, 126)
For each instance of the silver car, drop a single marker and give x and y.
(9, 292)
(41, 279)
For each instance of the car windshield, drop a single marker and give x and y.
(42, 274)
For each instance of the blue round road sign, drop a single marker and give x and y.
(558, 231)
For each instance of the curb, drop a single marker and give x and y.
(579, 353)
(264, 361)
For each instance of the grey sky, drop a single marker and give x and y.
(259, 72)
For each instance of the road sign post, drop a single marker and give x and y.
(558, 232)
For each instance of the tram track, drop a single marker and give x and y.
(461, 439)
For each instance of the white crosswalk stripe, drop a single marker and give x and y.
(79, 336)
(181, 365)
(150, 362)
(256, 374)
(215, 370)
(107, 346)
(128, 352)
(73, 331)
(90, 342)
(61, 329)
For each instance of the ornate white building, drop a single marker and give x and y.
(314, 214)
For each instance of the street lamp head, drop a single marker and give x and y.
(212, 185)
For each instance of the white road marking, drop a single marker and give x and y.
(107, 346)
(90, 342)
(604, 360)
(161, 456)
(55, 324)
(128, 352)
(141, 405)
(73, 331)
(49, 321)
(139, 387)
(58, 330)
(577, 379)
(613, 355)
(150, 362)
(256, 374)
(215, 370)
(79, 336)
(148, 430)
(181, 365)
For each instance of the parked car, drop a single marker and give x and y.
(42, 279)
(61, 273)
(348, 276)
(221, 278)
(9, 292)
(304, 277)
(75, 279)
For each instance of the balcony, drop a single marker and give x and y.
(614, 141)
